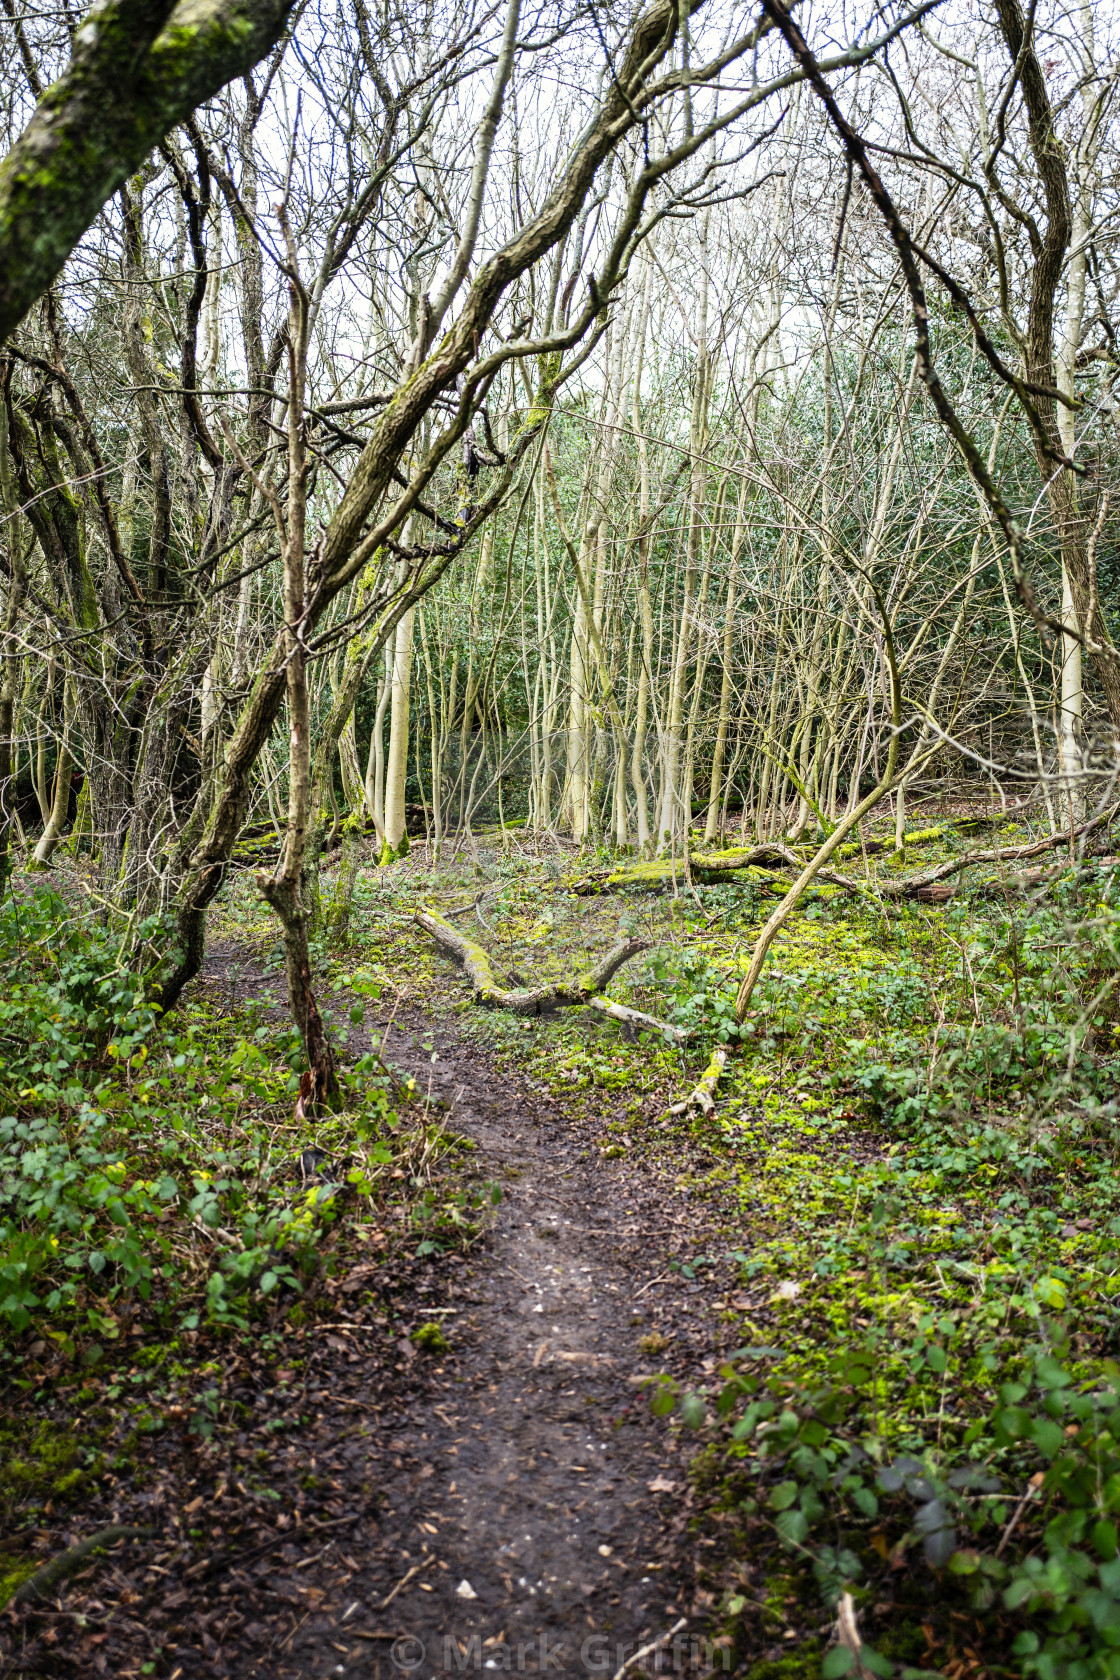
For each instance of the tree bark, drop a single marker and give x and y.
(138, 68)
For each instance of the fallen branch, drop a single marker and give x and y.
(704, 1096)
(56, 1569)
(656, 870)
(526, 1000)
(725, 863)
(916, 885)
(635, 1017)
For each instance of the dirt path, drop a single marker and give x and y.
(533, 1515)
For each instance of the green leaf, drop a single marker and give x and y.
(662, 1401)
(1014, 1421)
(837, 1662)
(792, 1527)
(1047, 1436)
(876, 1663)
(1049, 1373)
(1103, 1536)
(783, 1496)
(936, 1357)
(694, 1413)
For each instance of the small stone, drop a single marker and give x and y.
(465, 1590)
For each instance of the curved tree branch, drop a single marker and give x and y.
(139, 67)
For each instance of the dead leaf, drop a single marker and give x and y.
(661, 1484)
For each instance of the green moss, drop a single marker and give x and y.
(651, 873)
(48, 1461)
(12, 1576)
(902, 1642)
(802, 1663)
(429, 1338)
(919, 837)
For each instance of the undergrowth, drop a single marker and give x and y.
(917, 1133)
(159, 1201)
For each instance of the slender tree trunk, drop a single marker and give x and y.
(396, 771)
(284, 890)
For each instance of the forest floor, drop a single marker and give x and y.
(442, 1455)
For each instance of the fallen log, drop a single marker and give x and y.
(703, 1096)
(654, 871)
(636, 1018)
(918, 886)
(530, 1000)
(56, 1569)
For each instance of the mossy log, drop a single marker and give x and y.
(636, 1018)
(885, 842)
(703, 1096)
(922, 886)
(57, 1569)
(531, 1000)
(764, 863)
(654, 871)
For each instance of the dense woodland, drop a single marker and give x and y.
(657, 473)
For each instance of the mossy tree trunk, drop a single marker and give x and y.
(138, 68)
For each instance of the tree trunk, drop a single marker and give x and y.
(284, 889)
(396, 769)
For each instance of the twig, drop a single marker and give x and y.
(847, 1634)
(648, 1650)
(660, 1278)
(404, 1580)
(1015, 1515)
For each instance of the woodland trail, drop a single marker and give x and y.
(534, 1517)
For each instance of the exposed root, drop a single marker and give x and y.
(527, 1000)
(704, 1096)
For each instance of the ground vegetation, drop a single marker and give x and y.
(559, 812)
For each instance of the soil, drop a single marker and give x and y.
(541, 1503)
(509, 1503)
